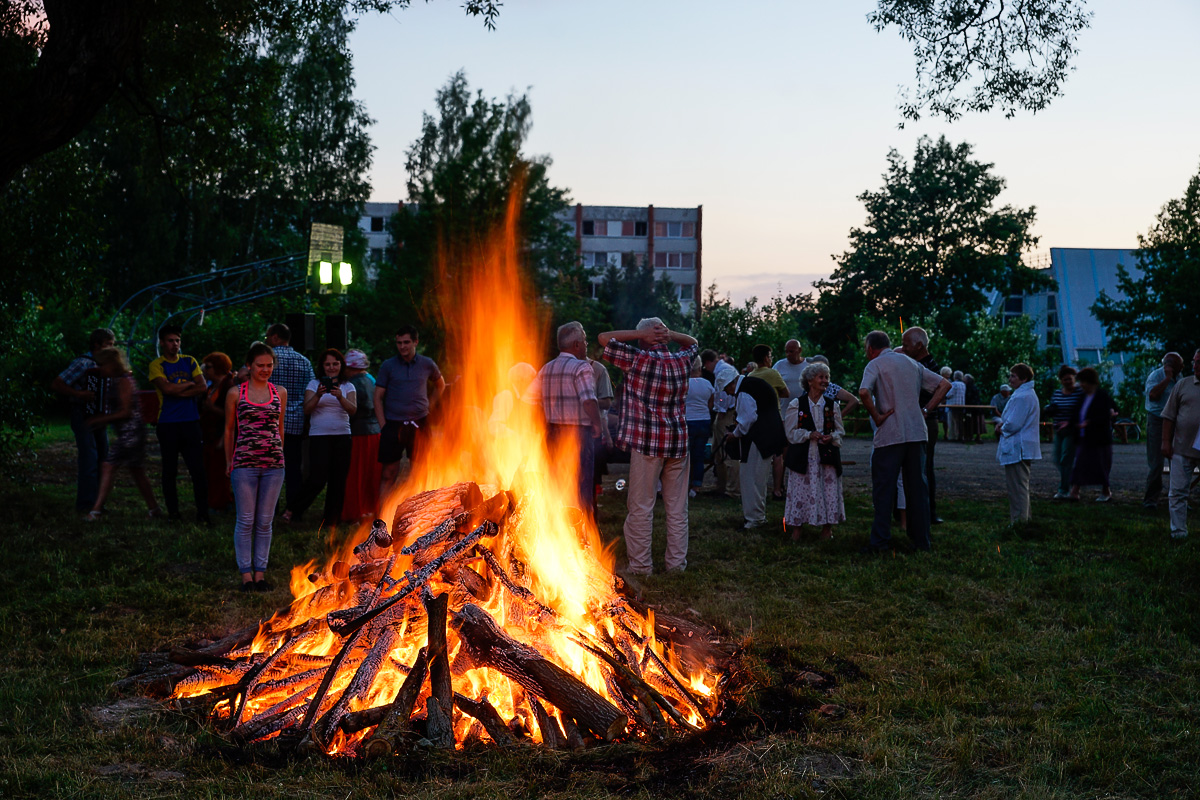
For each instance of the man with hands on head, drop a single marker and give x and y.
(891, 393)
(654, 431)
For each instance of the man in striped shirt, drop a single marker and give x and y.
(566, 390)
(1063, 404)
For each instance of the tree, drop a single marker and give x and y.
(735, 330)
(933, 246)
(973, 55)
(461, 172)
(61, 61)
(1162, 306)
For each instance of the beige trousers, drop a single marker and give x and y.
(644, 475)
(1016, 476)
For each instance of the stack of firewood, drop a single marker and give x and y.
(267, 682)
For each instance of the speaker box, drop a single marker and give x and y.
(337, 331)
(304, 331)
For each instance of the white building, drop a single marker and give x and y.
(667, 238)
(373, 223)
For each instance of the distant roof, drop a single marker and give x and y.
(1081, 274)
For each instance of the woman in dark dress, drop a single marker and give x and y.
(1093, 426)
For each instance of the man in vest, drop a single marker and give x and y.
(759, 433)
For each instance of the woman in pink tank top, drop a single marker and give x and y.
(254, 461)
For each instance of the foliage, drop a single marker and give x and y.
(992, 347)
(1162, 306)
(461, 172)
(933, 245)
(631, 293)
(974, 55)
(735, 330)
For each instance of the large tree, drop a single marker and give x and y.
(1163, 305)
(461, 172)
(933, 245)
(975, 55)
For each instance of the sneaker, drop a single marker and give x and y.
(262, 585)
(1104, 498)
(749, 526)
(1061, 496)
(1178, 534)
(691, 492)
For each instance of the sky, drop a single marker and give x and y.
(775, 116)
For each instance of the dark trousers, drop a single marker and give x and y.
(887, 464)
(177, 439)
(328, 467)
(578, 437)
(293, 469)
(699, 432)
(932, 424)
(1154, 458)
(92, 445)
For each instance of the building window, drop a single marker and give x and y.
(377, 255)
(1051, 319)
(616, 227)
(660, 230)
(1088, 357)
(589, 228)
(1014, 305)
(688, 260)
(1052, 302)
(674, 229)
(686, 291)
(639, 228)
(1054, 338)
(660, 260)
(595, 259)
(689, 230)
(627, 228)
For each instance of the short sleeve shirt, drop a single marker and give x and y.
(699, 392)
(406, 387)
(561, 387)
(772, 377)
(654, 398)
(896, 381)
(183, 369)
(604, 387)
(329, 418)
(292, 372)
(1183, 408)
(1153, 379)
(791, 375)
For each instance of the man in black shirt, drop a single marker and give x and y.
(916, 346)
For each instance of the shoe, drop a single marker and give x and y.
(1148, 506)
(936, 521)
(1061, 496)
(691, 492)
(92, 516)
(1178, 534)
(248, 586)
(749, 526)
(262, 585)
(1104, 498)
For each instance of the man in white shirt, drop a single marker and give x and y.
(891, 393)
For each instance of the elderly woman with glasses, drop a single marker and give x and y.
(813, 425)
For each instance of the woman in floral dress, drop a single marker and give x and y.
(813, 425)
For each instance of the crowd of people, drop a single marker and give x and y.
(282, 426)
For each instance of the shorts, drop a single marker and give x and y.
(398, 438)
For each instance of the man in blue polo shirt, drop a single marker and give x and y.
(178, 380)
(402, 404)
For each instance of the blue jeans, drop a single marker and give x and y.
(699, 431)
(255, 493)
(1064, 458)
(93, 447)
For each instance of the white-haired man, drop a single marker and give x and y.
(654, 431)
(566, 390)
(915, 345)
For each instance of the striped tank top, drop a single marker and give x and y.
(257, 444)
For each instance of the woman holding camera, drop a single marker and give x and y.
(329, 402)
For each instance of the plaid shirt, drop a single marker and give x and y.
(653, 403)
(292, 372)
(562, 386)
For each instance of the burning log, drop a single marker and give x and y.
(360, 684)
(626, 675)
(395, 721)
(552, 735)
(438, 727)
(491, 646)
(487, 715)
(439, 657)
(427, 510)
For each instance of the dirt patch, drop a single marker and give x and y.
(128, 771)
(113, 715)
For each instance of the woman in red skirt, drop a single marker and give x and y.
(362, 485)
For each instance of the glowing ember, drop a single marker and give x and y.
(486, 609)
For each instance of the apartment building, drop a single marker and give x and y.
(667, 238)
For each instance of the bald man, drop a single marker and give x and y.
(915, 345)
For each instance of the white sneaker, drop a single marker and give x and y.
(1178, 534)
(691, 492)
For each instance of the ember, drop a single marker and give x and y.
(486, 610)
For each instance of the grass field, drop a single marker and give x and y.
(1058, 661)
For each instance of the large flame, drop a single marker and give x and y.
(486, 434)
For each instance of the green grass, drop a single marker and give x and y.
(1057, 661)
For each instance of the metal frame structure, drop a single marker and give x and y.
(193, 295)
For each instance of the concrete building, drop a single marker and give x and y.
(667, 238)
(373, 223)
(1063, 317)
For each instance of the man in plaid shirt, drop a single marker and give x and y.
(654, 431)
(293, 372)
(81, 382)
(566, 389)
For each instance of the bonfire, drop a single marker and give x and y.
(480, 606)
